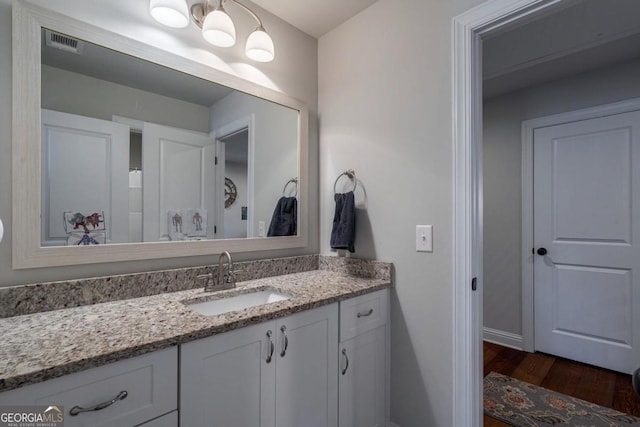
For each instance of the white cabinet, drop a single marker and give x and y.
(146, 386)
(306, 385)
(227, 379)
(325, 367)
(278, 373)
(363, 353)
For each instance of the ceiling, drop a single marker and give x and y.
(583, 35)
(106, 64)
(314, 17)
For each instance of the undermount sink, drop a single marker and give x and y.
(225, 304)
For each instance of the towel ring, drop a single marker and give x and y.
(294, 181)
(352, 176)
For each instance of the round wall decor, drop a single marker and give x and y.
(230, 192)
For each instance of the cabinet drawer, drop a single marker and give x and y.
(363, 313)
(150, 382)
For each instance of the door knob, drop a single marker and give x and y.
(542, 251)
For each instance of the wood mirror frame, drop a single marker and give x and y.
(28, 21)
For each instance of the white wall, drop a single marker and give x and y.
(294, 71)
(385, 107)
(503, 118)
(275, 147)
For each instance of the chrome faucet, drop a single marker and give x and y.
(224, 279)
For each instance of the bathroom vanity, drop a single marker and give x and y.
(317, 358)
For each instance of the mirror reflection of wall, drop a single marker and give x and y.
(88, 82)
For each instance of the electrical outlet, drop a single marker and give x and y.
(261, 232)
(424, 238)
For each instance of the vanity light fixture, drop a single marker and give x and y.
(172, 13)
(217, 26)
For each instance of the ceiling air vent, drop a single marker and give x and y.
(62, 42)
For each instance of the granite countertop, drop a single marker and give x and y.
(49, 344)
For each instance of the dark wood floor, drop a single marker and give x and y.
(596, 385)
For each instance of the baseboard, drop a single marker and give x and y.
(506, 339)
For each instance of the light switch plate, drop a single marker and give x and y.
(424, 238)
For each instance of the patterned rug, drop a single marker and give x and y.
(526, 405)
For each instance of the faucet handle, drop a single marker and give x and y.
(205, 280)
(233, 276)
(203, 277)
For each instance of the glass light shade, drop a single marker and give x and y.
(260, 46)
(172, 13)
(218, 29)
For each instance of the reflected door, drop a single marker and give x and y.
(178, 179)
(85, 166)
(587, 234)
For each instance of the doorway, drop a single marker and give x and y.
(470, 30)
(233, 159)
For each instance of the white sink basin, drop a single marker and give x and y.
(238, 302)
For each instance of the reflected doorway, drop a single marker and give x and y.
(233, 156)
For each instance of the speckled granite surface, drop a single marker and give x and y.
(45, 345)
(28, 299)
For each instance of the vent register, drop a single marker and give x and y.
(62, 42)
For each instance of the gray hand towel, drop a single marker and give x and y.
(285, 218)
(343, 234)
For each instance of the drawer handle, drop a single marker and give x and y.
(79, 409)
(272, 347)
(346, 359)
(285, 341)
(365, 313)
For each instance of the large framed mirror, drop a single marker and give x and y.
(123, 151)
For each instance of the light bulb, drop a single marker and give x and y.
(260, 46)
(218, 28)
(172, 13)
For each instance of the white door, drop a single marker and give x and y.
(307, 369)
(228, 380)
(85, 168)
(587, 218)
(177, 175)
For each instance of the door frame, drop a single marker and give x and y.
(468, 29)
(528, 129)
(218, 133)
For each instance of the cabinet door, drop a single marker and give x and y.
(362, 380)
(306, 381)
(227, 381)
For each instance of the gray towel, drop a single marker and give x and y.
(285, 218)
(343, 234)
